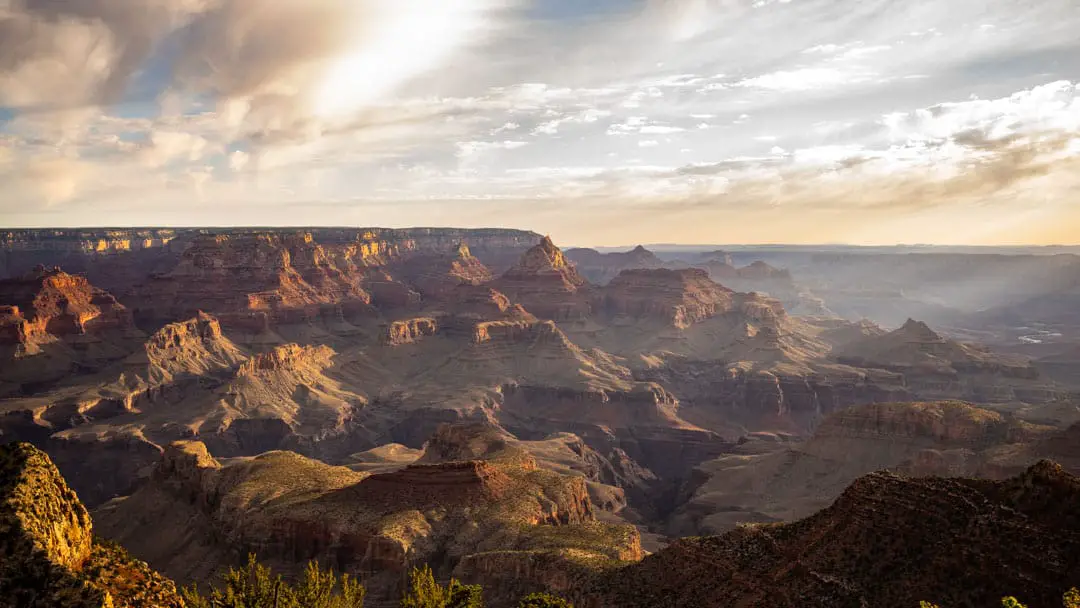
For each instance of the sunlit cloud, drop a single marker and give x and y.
(869, 121)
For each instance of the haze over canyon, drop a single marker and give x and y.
(534, 419)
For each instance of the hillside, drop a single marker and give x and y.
(888, 540)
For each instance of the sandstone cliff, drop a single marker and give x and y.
(547, 284)
(679, 298)
(772, 481)
(251, 282)
(436, 275)
(52, 323)
(48, 556)
(128, 254)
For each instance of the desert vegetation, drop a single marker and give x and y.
(1071, 599)
(256, 586)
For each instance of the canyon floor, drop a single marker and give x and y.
(530, 419)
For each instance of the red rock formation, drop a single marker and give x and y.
(194, 347)
(52, 322)
(54, 303)
(289, 356)
(437, 275)
(252, 280)
(546, 284)
(679, 298)
(410, 331)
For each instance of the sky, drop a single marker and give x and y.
(600, 122)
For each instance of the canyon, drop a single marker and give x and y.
(480, 400)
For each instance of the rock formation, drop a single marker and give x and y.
(886, 541)
(547, 284)
(411, 331)
(765, 480)
(52, 322)
(679, 298)
(288, 509)
(599, 268)
(436, 275)
(355, 347)
(48, 555)
(937, 367)
(253, 281)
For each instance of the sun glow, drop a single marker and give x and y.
(397, 41)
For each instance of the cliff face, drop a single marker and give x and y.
(875, 547)
(54, 303)
(48, 556)
(679, 298)
(104, 251)
(600, 268)
(411, 331)
(547, 284)
(252, 280)
(939, 368)
(436, 275)
(289, 509)
(51, 322)
(195, 347)
(763, 482)
(733, 398)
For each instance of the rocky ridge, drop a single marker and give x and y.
(48, 554)
(546, 284)
(288, 508)
(888, 540)
(768, 478)
(53, 323)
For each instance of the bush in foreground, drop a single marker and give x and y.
(255, 587)
(1070, 600)
(543, 600)
(425, 592)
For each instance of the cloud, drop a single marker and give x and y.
(472, 148)
(70, 53)
(805, 79)
(134, 107)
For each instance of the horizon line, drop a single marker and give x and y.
(539, 233)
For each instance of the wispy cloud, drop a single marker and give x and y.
(700, 117)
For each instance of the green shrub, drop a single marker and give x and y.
(254, 586)
(1070, 600)
(543, 600)
(425, 592)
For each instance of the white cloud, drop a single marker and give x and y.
(509, 126)
(283, 102)
(239, 160)
(471, 148)
(1050, 107)
(640, 125)
(588, 116)
(804, 79)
